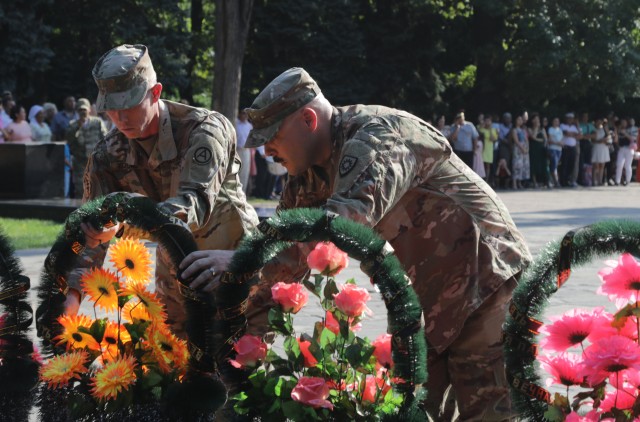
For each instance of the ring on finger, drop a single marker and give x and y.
(213, 273)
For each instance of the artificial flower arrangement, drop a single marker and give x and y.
(128, 357)
(595, 355)
(330, 374)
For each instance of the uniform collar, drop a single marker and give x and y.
(165, 146)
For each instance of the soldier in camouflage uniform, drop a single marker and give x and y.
(182, 157)
(82, 136)
(391, 171)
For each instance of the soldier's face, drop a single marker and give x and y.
(293, 145)
(136, 122)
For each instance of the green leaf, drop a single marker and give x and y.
(279, 322)
(330, 289)
(344, 328)
(554, 414)
(293, 410)
(327, 340)
(353, 353)
(240, 396)
(351, 281)
(275, 406)
(292, 349)
(151, 379)
(97, 329)
(311, 287)
(122, 300)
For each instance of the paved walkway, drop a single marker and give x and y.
(542, 215)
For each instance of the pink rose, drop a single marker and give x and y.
(309, 360)
(371, 387)
(250, 351)
(382, 350)
(290, 296)
(312, 391)
(352, 300)
(333, 325)
(328, 259)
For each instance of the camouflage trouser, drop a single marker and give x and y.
(470, 372)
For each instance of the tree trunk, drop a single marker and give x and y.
(231, 30)
(197, 16)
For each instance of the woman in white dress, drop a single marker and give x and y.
(600, 151)
(39, 128)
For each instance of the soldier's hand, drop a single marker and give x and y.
(95, 237)
(72, 303)
(206, 267)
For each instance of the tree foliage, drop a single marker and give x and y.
(424, 56)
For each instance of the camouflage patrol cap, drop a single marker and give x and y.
(83, 104)
(124, 75)
(285, 94)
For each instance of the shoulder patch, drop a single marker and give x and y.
(347, 164)
(202, 155)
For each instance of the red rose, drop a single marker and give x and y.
(290, 296)
(328, 259)
(333, 325)
(250, 351)
(382, 350)
(309, 360)
(371, 387)
(312, 391)
(352, 300)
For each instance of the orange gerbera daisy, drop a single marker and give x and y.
(113, 378)
(150, 300)
(100, 285)
(63, 368)
(135, 310)
(132, 259)
(109, 341)
(73, 336)
(170, 352)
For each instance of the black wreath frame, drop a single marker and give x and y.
(543, 278)
(404, 313)
(201, 392)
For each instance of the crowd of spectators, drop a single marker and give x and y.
(77, 125)
(535, 152)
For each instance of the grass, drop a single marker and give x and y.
(30, 233)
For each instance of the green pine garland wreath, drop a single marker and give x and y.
(542, 279)
(201, 392)
(404, 313)
(19, 370)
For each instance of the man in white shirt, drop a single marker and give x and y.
(570, 132)
(243, 127)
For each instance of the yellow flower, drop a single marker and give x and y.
(170, 352)
(63, 368)
(74, 338)
(100, 286)
(109, 341)
(113, 378)
(132, 259)
(152, 304)
(135, 310)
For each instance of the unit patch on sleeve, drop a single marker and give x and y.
(202, 155)
(347, 164)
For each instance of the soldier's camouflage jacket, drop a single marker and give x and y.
(394, 172)
(192, 172)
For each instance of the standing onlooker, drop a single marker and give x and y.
(478, 163)
(570, 134)
(588, 130)
(39, 128)
(463, 138)
(7, 105)
(50, 111)
(243, 127)
(610, 167)
(265, 181)
(18, 130)
(538, 152)
(442, 127)
(625, 153)
(600, 151)
(489, 135)
(555, 150)
(82, 136)
(61, 121)
(520, 155)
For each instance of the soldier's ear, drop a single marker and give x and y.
(156, 90)
(310, 118)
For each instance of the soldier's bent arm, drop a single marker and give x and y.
(204, 168)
